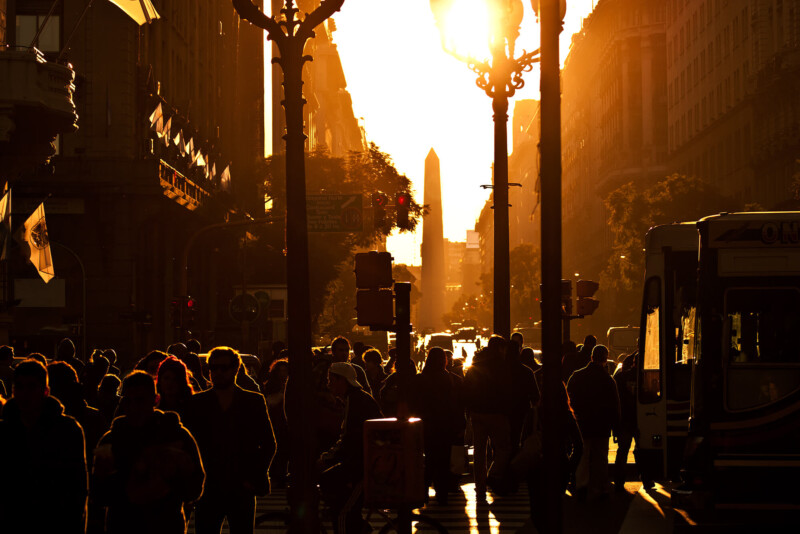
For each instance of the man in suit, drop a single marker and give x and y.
(234, 434)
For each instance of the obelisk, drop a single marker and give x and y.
(432, 301)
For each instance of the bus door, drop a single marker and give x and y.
(651, 404)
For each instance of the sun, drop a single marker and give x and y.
(465, 29)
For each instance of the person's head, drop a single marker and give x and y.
(589, 343)
(39, 357)
(568, 347)
(150, 363)
(6, 354)
(63, 382)
(340, 349)
(517, 339)
(223, 364)
(449, 355)
(359, 349)
(341, 377)
(139, 397)
(629, 362)
(373, 360)
(527, 357)
(436, 361)
(172, 380)
(496, 346)
(192, 362)
(177, 349)
(278, 375)
(599, 354)
(193, 345)
(96, 369)
(111, 356)
(30, 386)
(109, 387)
(65, 350)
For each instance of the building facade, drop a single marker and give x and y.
(170, 140)
(733, 71)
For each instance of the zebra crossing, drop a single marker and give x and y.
(462, 514)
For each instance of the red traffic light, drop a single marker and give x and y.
(404, 200)
(191, 303)
(379, 200)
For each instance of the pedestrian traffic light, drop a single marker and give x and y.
(379, 201)
(585, 289)
(375, 308)
(566, 297)
(373, 270)
(403, 203)
(190, 307)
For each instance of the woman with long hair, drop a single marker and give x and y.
(173, 385)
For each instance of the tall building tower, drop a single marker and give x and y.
(432, 303)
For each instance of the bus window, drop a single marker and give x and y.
(650, 390)
(763, 348)
(688, 341)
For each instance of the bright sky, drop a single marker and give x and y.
(413, 96)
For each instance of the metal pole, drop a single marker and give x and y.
(550, 146)
(502, 277)
(402, 292)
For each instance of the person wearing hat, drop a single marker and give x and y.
(343, 464)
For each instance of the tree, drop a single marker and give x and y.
(331, 253)
(632, 211)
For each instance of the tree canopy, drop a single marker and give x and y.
(331, 253)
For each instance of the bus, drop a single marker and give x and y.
(744, 424)
(666, 343)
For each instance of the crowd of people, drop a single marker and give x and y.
(144, 450)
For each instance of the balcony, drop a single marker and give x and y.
(35, 106)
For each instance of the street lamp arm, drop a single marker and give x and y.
(252, 14)
(325, 9)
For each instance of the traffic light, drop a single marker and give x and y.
(374, 301)
(190, 307)
(584, 290)
(379, 201)
(403, 203)
(566, 297)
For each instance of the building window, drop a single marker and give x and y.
(50, 38)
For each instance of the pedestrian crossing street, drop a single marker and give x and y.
(462, 514)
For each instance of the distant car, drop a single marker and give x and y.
(622, 340)
(466, 334)
(442, 340)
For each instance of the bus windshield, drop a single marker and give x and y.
(763, 345)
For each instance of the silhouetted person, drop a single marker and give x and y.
(488, 398)
(274, 390)
(574, 360)
(342, 480)
(150, 363)
(528, 359)
(340, 352)
(234, 434)
(91, 376)
(390, 392)
(570, 449)
(108, 396)
(373, 368)
(524, 394)
(111, 356)
(173, 386)
(147, 466)
(6, 369)
(43, 466)
(65, 352)
(196, 376)
(358, 354)
(65, 387)
(438, 398)
(594, 399)
(178, 350)
(625, 378)
(193, 345)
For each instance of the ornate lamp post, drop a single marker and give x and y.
(290, 34)
(500, 75)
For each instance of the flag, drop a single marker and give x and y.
(156, 116)
(225, 179)
(165, 132)
(141, 11)
(213, 170)
(5, 223)
(189, 148)
(33, 235)
(178, 142)
(201, 161)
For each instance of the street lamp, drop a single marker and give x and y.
(483, 34)
(290, 34)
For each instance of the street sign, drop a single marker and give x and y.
(335, 213)
(244, 308)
